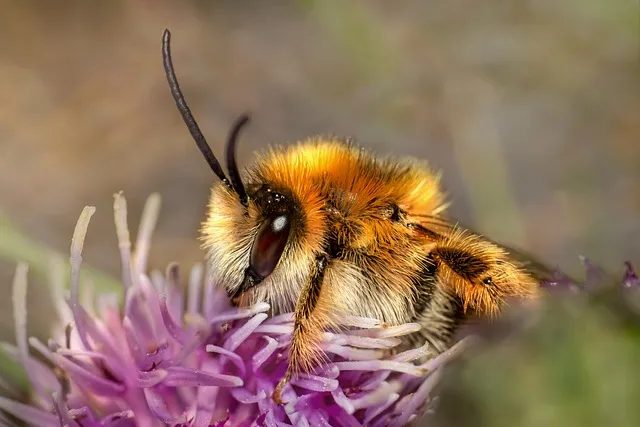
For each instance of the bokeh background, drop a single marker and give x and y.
(531, 109)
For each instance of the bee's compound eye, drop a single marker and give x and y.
(269, 244)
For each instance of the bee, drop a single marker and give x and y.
(325, 229)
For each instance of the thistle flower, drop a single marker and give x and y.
(174, 357)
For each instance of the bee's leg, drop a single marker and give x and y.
(479, 272)
(438, 310)
(311, 317)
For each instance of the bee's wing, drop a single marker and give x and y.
(529, 262)
(535, 267)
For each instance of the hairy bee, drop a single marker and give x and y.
(325, 229)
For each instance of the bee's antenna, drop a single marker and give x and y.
(188, 118)
(232, 167)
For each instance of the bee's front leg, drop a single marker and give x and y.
(311, 318)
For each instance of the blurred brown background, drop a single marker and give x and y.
(530, 108)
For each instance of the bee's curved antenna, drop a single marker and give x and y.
(232, 167)
(188, 118)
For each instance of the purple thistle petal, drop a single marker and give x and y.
(352, 352)
(261, 356)
(222, 422)
(319, 419)
(188, 349)
(297, 418)
(344, 418)
(362, 341)
(100, 385)
(175, 298)
(159, 408)
(119, 419)
(28, 413)
(235, 359)
(274, 329)
(133, 342)
(390, 331)
(377, 365)
(152, 378)
(124, 241)
(150, 296)
(108, 307)
(418, 399)
(362, 322)
(63, 413)
(412, 354)
(243, 396)
(270, 421)
(148, 222)
(101, 339)
(281, 318)
(244, 331)
(179, 376)
(206, 401)
(343, 401)
(631, 279)
(330, 371)
(136, 310)
(174, 329)
(20, 320)
(84, 415)
(156, 357)
(268, 386)
(195, 284)
(241, 313)
(376, 397)
(215, 297)
(372, 412)
(450, 354)
(316, 383)
(77, 242)
(157, 278)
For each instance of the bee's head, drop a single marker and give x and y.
(256, 250)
